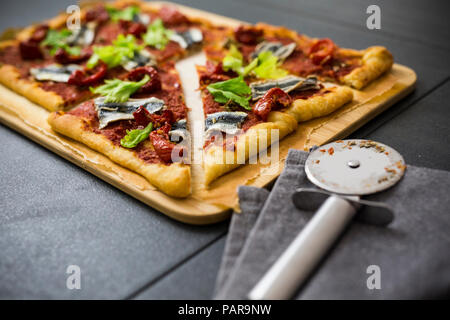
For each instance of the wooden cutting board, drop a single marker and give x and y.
(212, 204)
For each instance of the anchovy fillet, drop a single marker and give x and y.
(287, 84)
(277, 48)
(228, 122)
(187, 38)
(82, 36)
(54, 72)
(179, 132)
(140, 59)
(114, 111)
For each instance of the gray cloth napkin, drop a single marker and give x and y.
(413, 252)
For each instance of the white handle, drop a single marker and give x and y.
(302, 255)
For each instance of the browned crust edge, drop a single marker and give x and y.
(375, 61)
(218, 161)
(10, 77)
(174, 179)
(320, 105)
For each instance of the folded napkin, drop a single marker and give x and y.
(413, 252)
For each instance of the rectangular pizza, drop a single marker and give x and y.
(111, 83)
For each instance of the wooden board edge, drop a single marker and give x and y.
(220, 212)
(409, 86)
(217, 214)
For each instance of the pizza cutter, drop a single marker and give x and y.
(344, 170)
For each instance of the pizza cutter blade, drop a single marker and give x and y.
(347, 169)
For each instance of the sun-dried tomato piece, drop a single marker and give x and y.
(76, 78)
(247, 34)
(322, 51)
(172, 17)
(88, 77)
(132, 27)
(142, 116)
(164, 148)
(39, 33)
(214, 73)
(61, 56)
(273, 98)
(98, 75)
(98, 14)
(154, 84)
(160, 120)
(30, 50)
(214, 68)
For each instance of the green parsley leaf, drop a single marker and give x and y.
(119, 91)
(233, 60)
(122, 14)
(268, 67)
(157, 35)
(134, 137)
(128, 42)
(73, 51)
(235, 89)
(123, 48)
(236, 85)
(250, 67)
(57, 39)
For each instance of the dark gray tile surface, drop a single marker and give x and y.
(422, 22)
(194, 279)
(53, 213)
(421, 132)
(21, 13)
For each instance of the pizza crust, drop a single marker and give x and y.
(320, 105)
(174, 179)
(217, 161)
(375, 61)
(53, 23)
(10, 77)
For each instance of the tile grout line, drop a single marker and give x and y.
(174, 267)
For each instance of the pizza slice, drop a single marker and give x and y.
(304, 56)
(139, 122)
(39, 63)
(55, 67)
(166, 33)
(247, 111)
(259, 82)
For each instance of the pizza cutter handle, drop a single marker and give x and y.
(293, 267)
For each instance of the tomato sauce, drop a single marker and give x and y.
(171, 93)
(107, 32)
(172, 50)
(305, 94)
(298, 63)
(72, 94)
